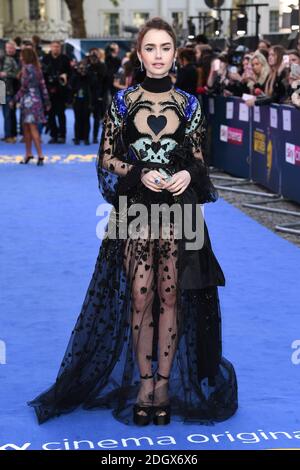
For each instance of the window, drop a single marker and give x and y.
(34, 9)
(274, 21)
(111, 24)
(139, 19)
(177, 20)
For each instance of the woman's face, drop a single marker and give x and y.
(272, 59)
(157, 53)
(257, 66)
(223, 68)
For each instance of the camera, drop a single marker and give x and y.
(56, 80)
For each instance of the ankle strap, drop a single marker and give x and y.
(146, 376)
(162, 376)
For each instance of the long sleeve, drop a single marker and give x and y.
(24, 85)
(111, 142)
(279, 92)
(115, 177)
(10, 68)
(194, 136)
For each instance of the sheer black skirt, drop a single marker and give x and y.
(137, 319)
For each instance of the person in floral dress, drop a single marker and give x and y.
(34, 100)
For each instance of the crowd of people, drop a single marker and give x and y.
(44, 84)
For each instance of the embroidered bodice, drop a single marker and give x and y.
(145, 122)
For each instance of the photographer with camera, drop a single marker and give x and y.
(113, 63)
(80, 84)
(97, 73)
(57, 70)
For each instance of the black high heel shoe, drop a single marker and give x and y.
(162, 413)
(26, 160)
(40, 161)
(142, 415)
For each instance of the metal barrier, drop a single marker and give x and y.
(256, 145)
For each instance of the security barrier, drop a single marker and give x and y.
(261, 143)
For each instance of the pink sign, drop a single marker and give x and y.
(297, 154)
(235, 136)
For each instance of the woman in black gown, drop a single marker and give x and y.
(147, 341)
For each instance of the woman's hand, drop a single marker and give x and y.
(178, 183)
(250, 102)
(148, 181)
(235, 76)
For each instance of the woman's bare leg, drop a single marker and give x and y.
(138, 260)
(168, 319)
(36, 139)
(28, 140)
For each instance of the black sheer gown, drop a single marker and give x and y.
(151, 305)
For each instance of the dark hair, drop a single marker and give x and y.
(128, 68)
(294, 52)
(18, 41)
(29, 56)
(267, 43)
(186, 53)
(36, 39)
(223, 57)
(264, 52)
(155, 23)
(201, 39)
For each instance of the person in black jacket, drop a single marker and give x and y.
(97, 73)
(57, 70)
(82, 101)
(187, 76)
(113, 63)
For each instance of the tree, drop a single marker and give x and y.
(77, 18)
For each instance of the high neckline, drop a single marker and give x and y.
(157, 85)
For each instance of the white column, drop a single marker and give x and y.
(2, 19)
(21, 10)
(53, 10)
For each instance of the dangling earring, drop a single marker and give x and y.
(174, 68)
(142, 66)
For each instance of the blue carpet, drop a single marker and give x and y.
(48, 251)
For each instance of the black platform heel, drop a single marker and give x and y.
(40, 161)
(162, 413)
(146, 417)
(26, 160)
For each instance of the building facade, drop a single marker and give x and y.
(50, 18)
